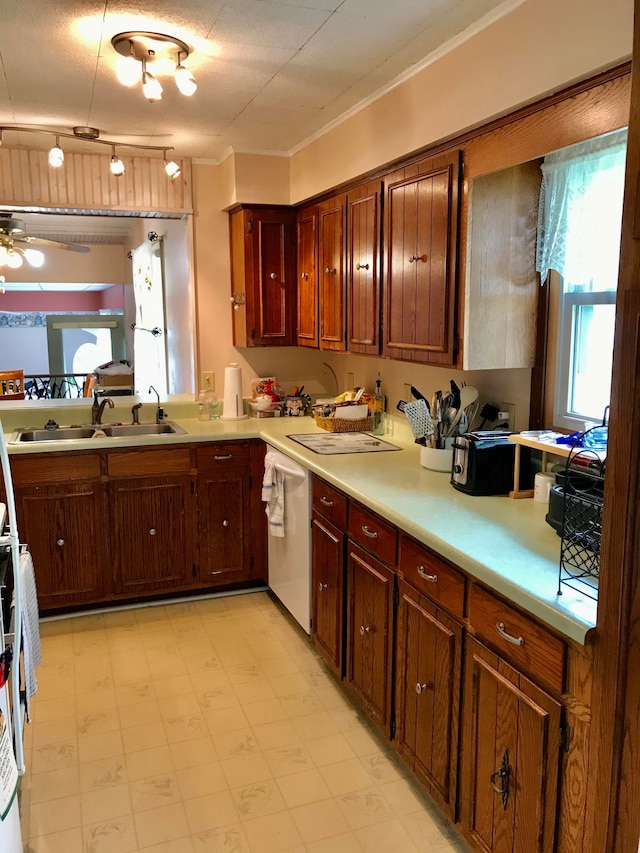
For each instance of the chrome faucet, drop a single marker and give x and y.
(98, 408)
(159, 409)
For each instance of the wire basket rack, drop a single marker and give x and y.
(582, 516)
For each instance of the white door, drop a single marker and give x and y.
(149, 336)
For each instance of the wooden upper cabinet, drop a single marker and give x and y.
(331, 277)
(363, 268)
(421, 248)
(308, 277)
(263, 281)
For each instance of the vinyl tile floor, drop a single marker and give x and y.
(207, 726)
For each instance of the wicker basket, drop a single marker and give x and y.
(343, 424)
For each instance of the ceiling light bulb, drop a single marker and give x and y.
(13, 259)
(185, 80)
(116, 165)
(128, 70)
(3, 255)
(151, 87)
(172, 169)
(35, 257)
(56, 155)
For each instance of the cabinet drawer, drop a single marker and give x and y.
(373, 534)
(426, 573)
(329, 503)
(139, 463)
(55, 469)
(224, 455)
(535, 651)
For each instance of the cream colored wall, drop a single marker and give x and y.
(102, 264)
(537, 48)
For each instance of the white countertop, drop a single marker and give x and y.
(503, 543)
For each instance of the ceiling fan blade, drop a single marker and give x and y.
(42, 241)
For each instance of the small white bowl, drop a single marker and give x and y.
(436, 459)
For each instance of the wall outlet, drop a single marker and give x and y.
(508, 413)
(207, 380)
(351, 381)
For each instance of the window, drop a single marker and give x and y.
(579, 237)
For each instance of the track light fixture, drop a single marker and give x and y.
(165, 53)
(92, 134)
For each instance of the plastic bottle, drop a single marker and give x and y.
(203, 406)
(378, 409)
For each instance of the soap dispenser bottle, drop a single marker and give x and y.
(378, 409)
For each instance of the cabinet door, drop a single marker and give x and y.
(263, 276)
(64, 526)
(422, 225)
(511, 757)
(327, 582)
(151, 527)
(370, 628)
(331, 258)
(308, 277)
(428, 687)
(363, 269)
(224, 528)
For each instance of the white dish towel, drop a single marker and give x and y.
(273, 495)
(32, 654)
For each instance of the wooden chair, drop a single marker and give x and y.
(89, 382)
(11, 385)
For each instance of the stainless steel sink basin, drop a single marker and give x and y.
(75, 433)
(167, 428)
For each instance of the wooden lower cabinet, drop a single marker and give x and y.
(223, 527)
(427, 693)
(64, 528)
(510, 758)
(151, 533)
(369, 634)
(327, 584)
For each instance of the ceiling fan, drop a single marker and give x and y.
(15, 244)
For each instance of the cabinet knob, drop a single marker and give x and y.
(370, 533)
(152, 532)
(425, 574)
(517, 641)
(273, 276)
(322, 586)
(60, 542)
(420, 688)
(414, 258)
(304, 275)
(326, 501)
(364, 630)
(330, 271)
(362, 266)
(225, 523)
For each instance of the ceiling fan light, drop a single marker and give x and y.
(116, 165)
(128, 70)
(56, 155)
(3, 256)
(185, 80)
(172, 169)
(151, 87)
(35, 257)
(14, 260)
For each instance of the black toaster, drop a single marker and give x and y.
(483, 463)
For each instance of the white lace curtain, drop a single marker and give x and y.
(580, 213)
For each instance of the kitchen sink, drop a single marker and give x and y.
(167, 428)
(75, 433)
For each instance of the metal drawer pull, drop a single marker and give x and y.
(364, 630)
(502, 773)
(322, 586)
(517, 641)
(362, 266)
(220, 458)
(414, 258)
(60, 542)
(420, 688)
(225, 523)
(370, 533)
(425, 574)
(152, 532)
(326, 501)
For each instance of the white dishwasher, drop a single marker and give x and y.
(290, 555)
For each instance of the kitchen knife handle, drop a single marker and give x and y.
(370, 533)
(517, 641)
(424, 574)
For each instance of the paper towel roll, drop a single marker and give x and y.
(233, 406)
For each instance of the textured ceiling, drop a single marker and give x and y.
(270, 73)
